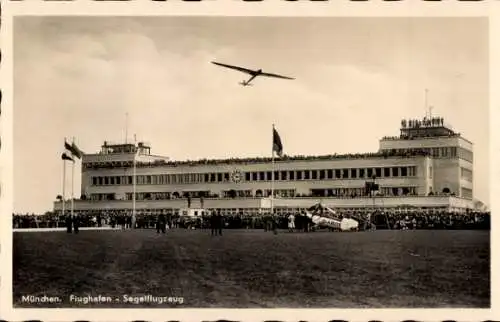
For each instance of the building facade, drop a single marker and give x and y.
(428, 166)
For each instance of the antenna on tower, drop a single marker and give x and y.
(126, 128)
(426, 101)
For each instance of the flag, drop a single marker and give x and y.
(64, 156)
(75, 151)
(277, 145)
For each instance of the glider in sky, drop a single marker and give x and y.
(252, 73)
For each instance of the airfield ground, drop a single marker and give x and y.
(249, 268)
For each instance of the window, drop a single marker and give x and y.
(269, 175)
(369, 172)
(395, 172)
(387, 172)
(255, 176)
(353, 173)
(453, 152)
(106, 180)
(466, 193)
(247, 176)
(466, 174)
(226, 176)
(404, 171)
(314, 174)
(299, 175)
(276, 175)
(465, 154)
(361, 173)
(322, 174)
(378, 172)
(212, 177)
(219, 177)
(283, 175)
(291, 175)
(307, 175)
(262, 176)
(345, 173)
(94, 181)
(329, 174)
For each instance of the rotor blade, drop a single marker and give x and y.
(241, 69)
(275, 75)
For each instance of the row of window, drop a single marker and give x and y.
(466, 174)
(283, 193)
(466, 193)
(465, 154)
(295, 175)
(443, 152)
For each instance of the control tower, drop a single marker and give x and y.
(450, 165)
(117, 158)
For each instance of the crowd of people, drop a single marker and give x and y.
(349, 156)
(380, 220)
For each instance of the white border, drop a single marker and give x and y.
(373, 8)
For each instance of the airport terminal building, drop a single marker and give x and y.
(428, 166)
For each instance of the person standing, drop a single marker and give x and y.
(291, 223)
(76, 223)
(69, 223)
(220, 223)
(161, 223)
(306, 222)
(274, 223)
(212, 223)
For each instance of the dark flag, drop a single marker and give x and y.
(75, 151)
(64, 156)
(277, 145)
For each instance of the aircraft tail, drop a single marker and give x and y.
(244, 83)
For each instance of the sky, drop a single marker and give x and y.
(356, 78)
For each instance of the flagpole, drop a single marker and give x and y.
(272, 176)
(73, 185)
(134, 182)
(64, 184)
